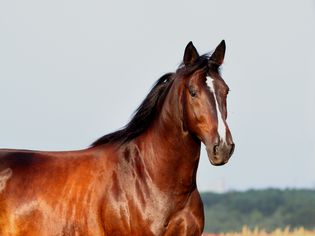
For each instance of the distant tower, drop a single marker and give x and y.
(218, 186)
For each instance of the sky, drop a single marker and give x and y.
(72, 71)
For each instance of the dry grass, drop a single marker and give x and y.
(278, 232)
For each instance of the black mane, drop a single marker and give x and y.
(142, 117)
(147, 111)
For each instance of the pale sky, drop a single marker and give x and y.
(72, 71)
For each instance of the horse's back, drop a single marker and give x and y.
(50, 193)
(18, 165)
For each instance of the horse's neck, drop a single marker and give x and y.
(170, 154)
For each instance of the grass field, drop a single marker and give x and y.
(277, 232)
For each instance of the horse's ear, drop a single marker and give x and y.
(191, 55)
(217, 56)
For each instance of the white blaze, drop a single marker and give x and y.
(221, 123)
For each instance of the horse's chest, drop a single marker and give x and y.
(147, 213)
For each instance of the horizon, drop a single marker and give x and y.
(257, 189)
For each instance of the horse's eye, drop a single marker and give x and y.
(192, 91)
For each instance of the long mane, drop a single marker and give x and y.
(149, 108)
(143, 116)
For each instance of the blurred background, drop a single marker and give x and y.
(72, 71)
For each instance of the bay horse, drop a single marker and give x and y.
(139, 180)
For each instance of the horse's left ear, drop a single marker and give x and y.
(217, 56)
(191, 55)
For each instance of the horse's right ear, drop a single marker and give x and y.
(191, 55)
(217, 57)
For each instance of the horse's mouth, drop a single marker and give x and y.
(217, 161)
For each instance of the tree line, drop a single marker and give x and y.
(264, 209)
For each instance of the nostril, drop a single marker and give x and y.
(216, 149)
(232, 149)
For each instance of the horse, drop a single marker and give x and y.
(138, 180)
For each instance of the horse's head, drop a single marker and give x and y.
(204, 102)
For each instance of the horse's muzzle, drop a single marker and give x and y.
(219, 154)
